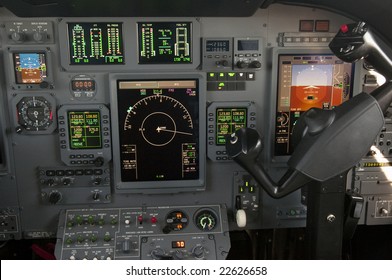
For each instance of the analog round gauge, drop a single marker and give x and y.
(159, 128)
(176, 220)
(206, 220)
(34, 113)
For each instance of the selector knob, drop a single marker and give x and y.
(223, 63)
(384, 212)
(242, 64)
(98, 162)
(54, 197)
(178, 255)
(18, 37)
(255, 64)
(96, 196)
(40, 36)
(157, 253)
(198, 252)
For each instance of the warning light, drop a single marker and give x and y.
(344, 28)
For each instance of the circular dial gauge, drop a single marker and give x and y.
(177, 220)
(34, 113)
(159, 128)
(206, 220)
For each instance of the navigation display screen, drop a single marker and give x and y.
(30, 68)
(165, 42)
(85, 130)
(98, 43)
(306, 81)
(228, 120)
(159, 130)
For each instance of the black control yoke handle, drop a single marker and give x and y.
(328, 142)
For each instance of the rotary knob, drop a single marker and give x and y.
(18, 37)
(40, 37)
(54, 197)
(157, 254)
(198, 252)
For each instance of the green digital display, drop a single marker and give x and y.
(99, 43)
(85, 130)
(165, 42)
(228, 120)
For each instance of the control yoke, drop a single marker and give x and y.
(327, 142)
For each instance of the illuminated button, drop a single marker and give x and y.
(127, 222)
(221, 86)
(154, 220)
(222, 76)
(250, 76)
(140, 219)
(211, 76)
(344, 28)
(241, 76)
(231, 76)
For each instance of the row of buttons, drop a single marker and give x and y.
(217, 56)
(81, 156)
(70, 172)
(231, 76)
(248, 54)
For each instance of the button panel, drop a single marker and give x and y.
(74, 185)
(117, 233)
(82, 153)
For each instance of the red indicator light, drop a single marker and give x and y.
(344, 28)
(154, 220)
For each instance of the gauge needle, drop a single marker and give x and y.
(159, 129)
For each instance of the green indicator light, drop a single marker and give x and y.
(221, 84)
(212, 74)
(231, 74)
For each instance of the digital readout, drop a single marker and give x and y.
(165, 42)
(178, 244)
(83, 85)
(96, 43)
(85, 130)
(377, 164)
(217, 46)
(228, 120)
(30, 68)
